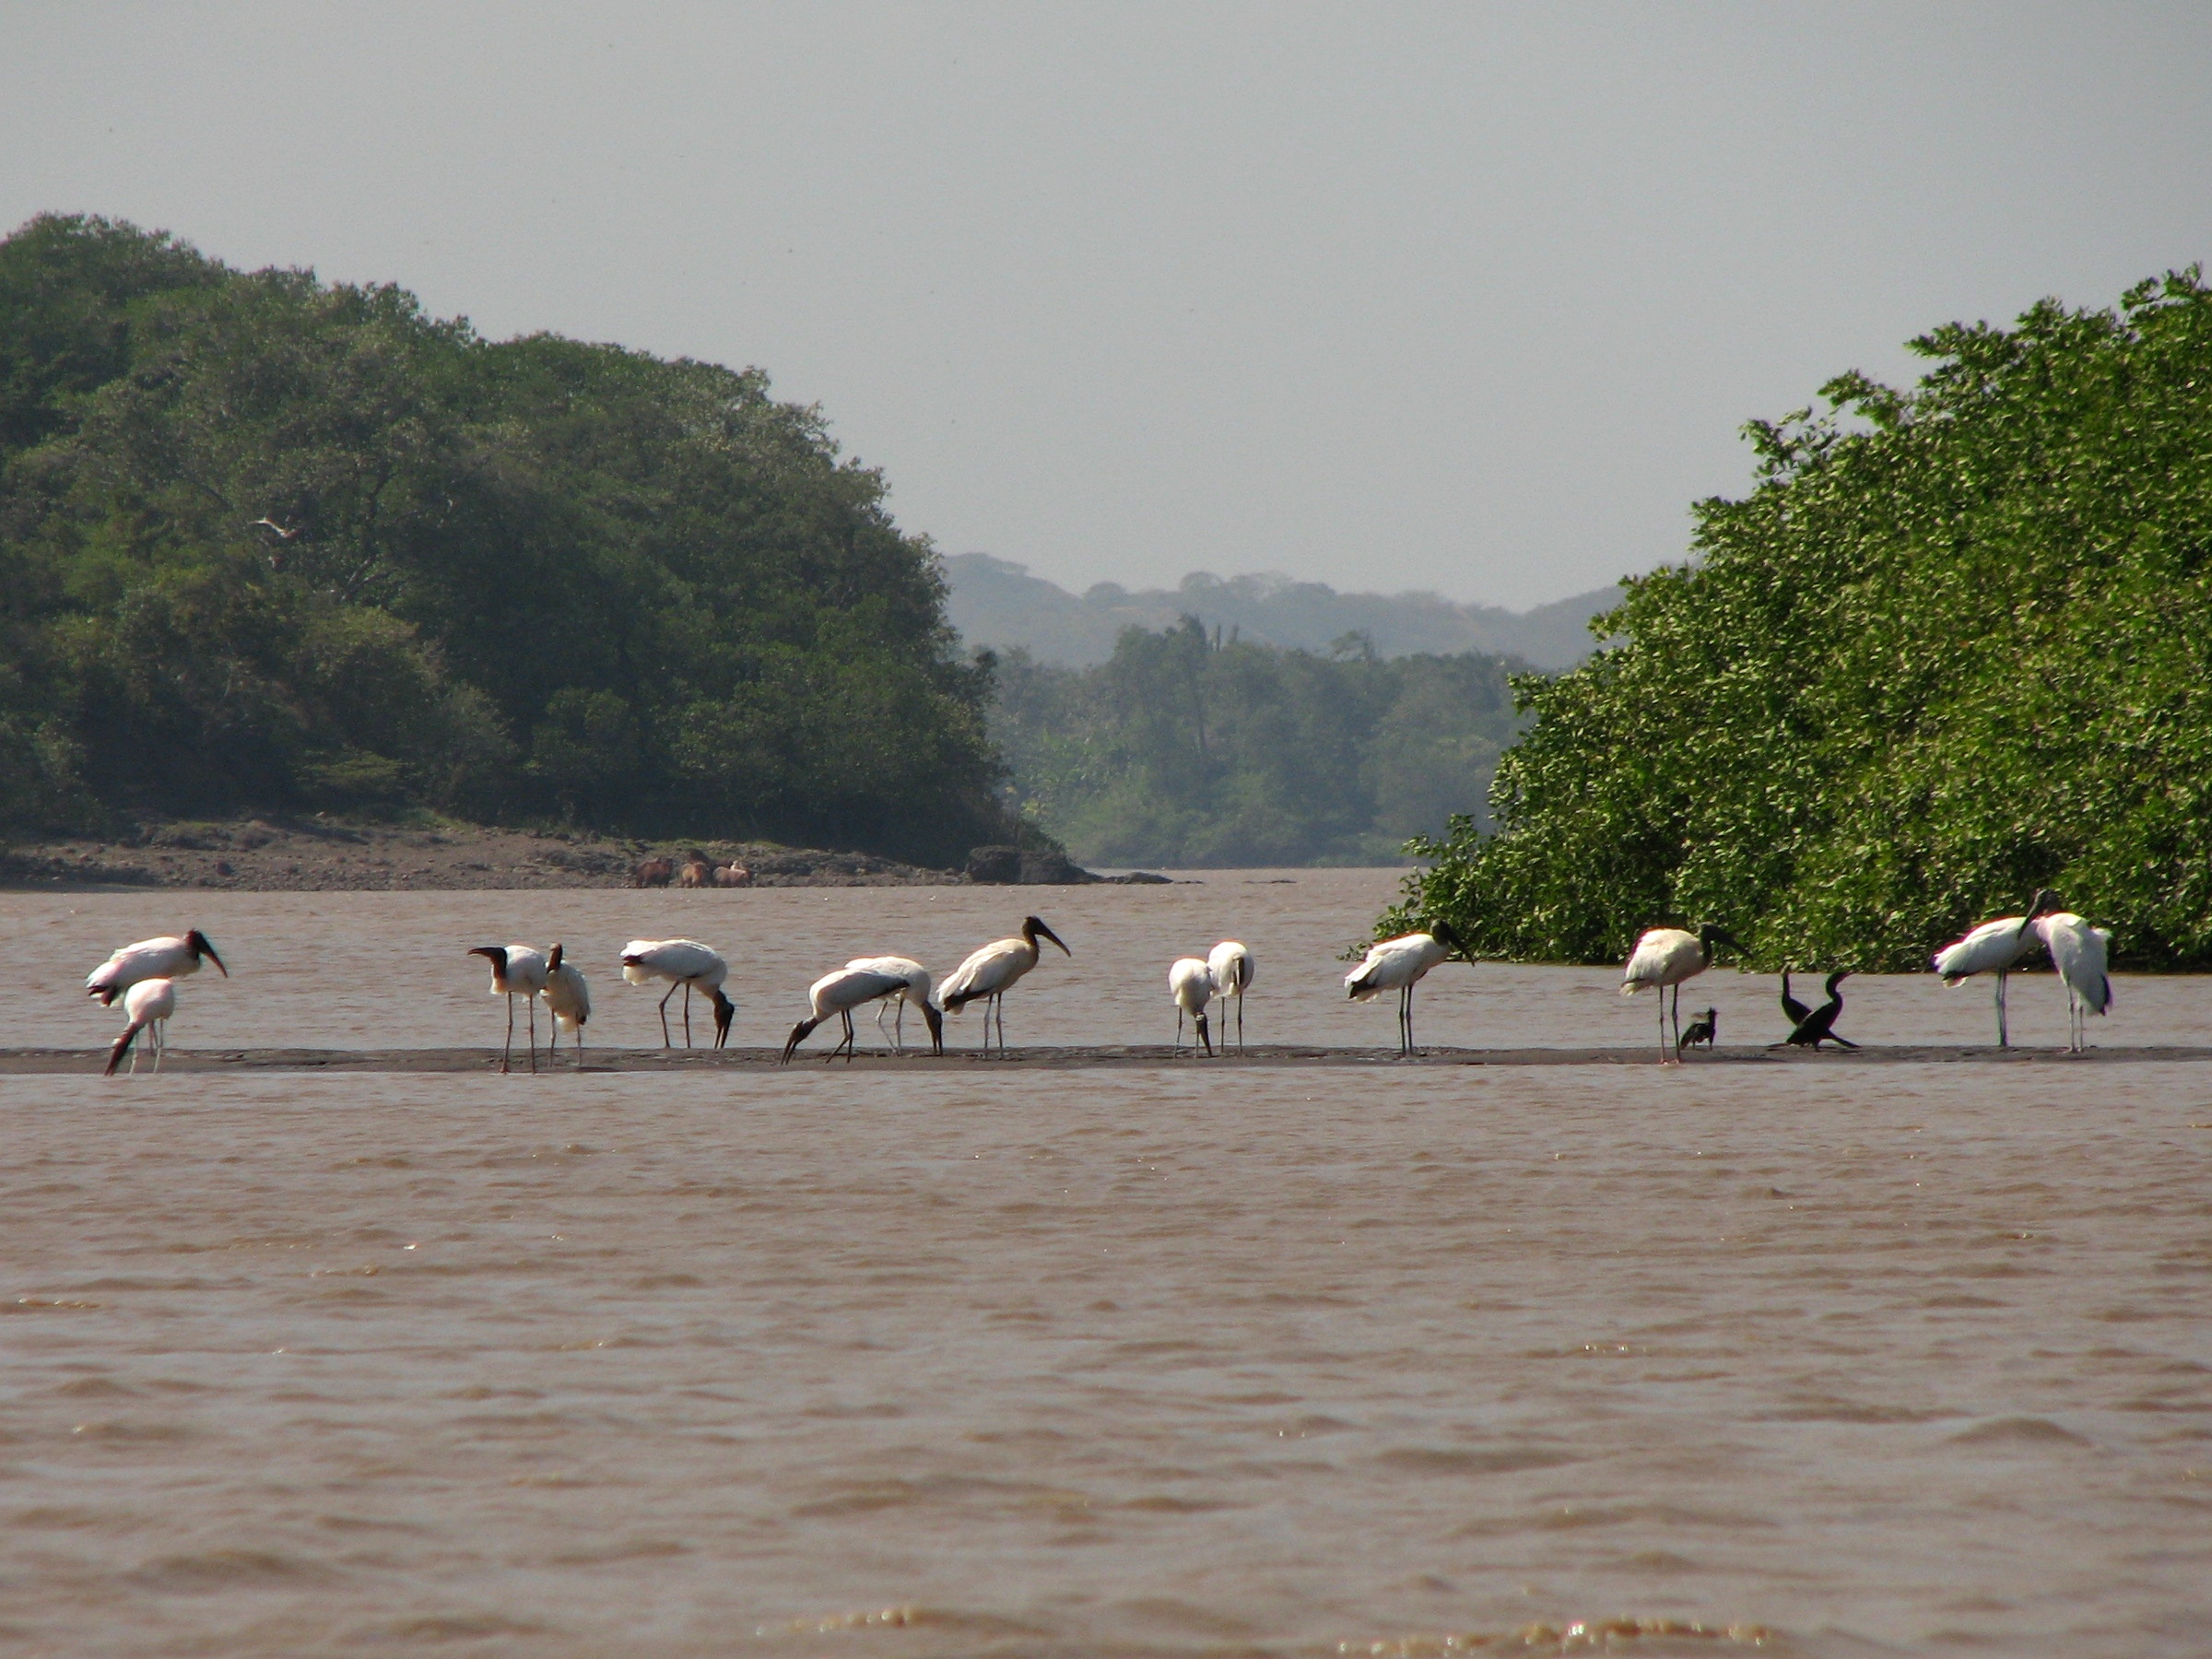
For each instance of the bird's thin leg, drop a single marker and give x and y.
(1678, 1021)
(999, 1001)
(899, 1028)
(2003, 1038)
(687, 1013)
(507, 1051)
(1662, 1026)
(1179, 1028)
(1240, 1022)
(666, 1040)
(579, 1048)
(532, 1002)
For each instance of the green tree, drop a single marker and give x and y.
(1956, 643)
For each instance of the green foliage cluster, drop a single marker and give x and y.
(1955, 644)
(265, 541)
(1187, 750)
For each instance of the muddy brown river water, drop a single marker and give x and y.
(1853, 1356)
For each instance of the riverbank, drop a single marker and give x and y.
(278, 854)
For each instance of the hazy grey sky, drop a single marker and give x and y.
(1462, 297)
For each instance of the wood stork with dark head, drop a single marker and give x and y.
(990, 972)
(516, 971)
(914, 987)
(1191, 987)
(1230, 965)
(570, 1000)
(838, 993)
(2080, 953)
(150, 1003)
(1664, 957)
(686, 963)
(1994, 947)
(1398, 965)
(171, 957)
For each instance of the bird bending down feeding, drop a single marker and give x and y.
(150, 1003)
(914, 987)
(1191, 987)
(516, 971)
(2079, 951)
(1664, 957)
(569, 998)
(1817, 1026)
(1994, 947)
(1702, 1029)
(167, 957)
(684, 962)
(1230, 963)
(988, 974)
(847, 989)
(1397, 965)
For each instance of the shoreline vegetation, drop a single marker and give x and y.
(1954, 647)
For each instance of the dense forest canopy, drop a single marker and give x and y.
(1189, 749)
(1955, 644)
(270, 542)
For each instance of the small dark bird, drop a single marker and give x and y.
(1704, 1029)
(1792, 1009)
(1819, 1027)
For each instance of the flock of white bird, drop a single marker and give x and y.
(143, 977)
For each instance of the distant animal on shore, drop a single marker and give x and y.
(731, 875)
(696, 873)
(169, 956)
(1817, 1026)
(1702, 1029)
(653, 872)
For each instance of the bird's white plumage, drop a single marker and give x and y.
(148, 1003)
(678, 961)
(524, 975)
(170, 956)
(987, 972)
(1230, 965)
(1191, 985)
(914, 979)
(1664, 957)
(1989, 948)
(2079, 952)
(567, 995)
(849, 987)
(1393, 964)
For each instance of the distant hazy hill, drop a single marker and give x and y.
(997, 602)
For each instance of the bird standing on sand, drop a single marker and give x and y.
(990, 972)
(169, 957)
(914, 987)
(684, 962)
(845, 990)
(569, 998)
(2079, 952)
(516, 971)
(1398, 965)
(150, 1003)
(1817, 1026)
(1191, 987)
(1994, 947)
(1230, 965)
(1792, 1009)
(1702, 1029)
(1664, 957)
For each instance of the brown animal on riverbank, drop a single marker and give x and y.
(696, 873)
(653, 872)
(732, 875)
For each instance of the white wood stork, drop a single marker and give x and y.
(150, 1003)
(914, 987)
(170, 956)
(516, 971)
(2079, 952)
(1230, 965)
(1994, 947)
(1398, 965)
(684, 962)
(1191, 987)
(840, 993)
(569, 998)
(991, 971)
(1664, 957)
